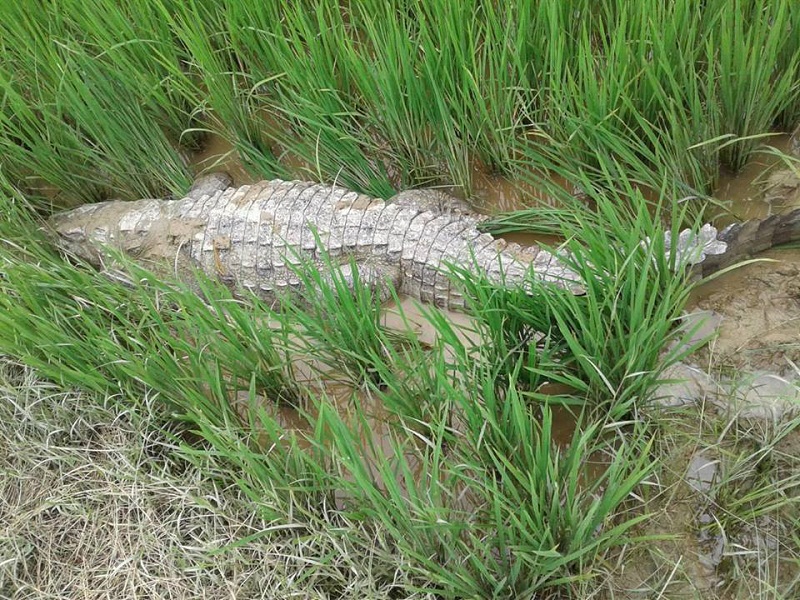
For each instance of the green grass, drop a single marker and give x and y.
(101, 100)
(89, 116)
(465, 481)
(87, 483)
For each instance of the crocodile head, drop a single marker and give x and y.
(133, 228)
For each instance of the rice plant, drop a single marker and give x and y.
(429, 93)
(447, 482)
(87, 120)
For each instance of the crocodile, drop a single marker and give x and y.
(254, 237)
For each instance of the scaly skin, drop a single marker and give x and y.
(250, 236)
(747, 239)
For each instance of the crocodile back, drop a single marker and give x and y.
(253, 235)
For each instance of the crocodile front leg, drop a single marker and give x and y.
(432, 200)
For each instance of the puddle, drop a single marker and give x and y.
(377, 426)
(496, 193)
(742, 192)
(218, 154)
(464, 325)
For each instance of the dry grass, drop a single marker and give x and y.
(94, 503)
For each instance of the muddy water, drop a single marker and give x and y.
(493, 193)
(218, 154)
(760, 302)
(743, 194)
(375, 426)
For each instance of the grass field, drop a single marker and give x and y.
(103, 98)
(313, 450)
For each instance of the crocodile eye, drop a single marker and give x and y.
(76, 234)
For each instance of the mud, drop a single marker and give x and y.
(759, 302)
(760, 306)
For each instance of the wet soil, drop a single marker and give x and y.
(377, 426)
(760, 305)
(746, 195)
(759, 302)
(218, 154)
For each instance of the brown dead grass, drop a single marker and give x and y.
(95, 504)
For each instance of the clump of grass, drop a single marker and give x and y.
(221, 93)
(337, 311)
(86, 483)
(89, 117)
(615, 336)
(484, 514)
(754, 88)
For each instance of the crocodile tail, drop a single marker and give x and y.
(751, 237)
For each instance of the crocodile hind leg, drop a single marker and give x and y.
(331, 282)
(431, 200)
(209, 184)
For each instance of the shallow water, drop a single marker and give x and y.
(218, 154)
(742, 193)
(493, 193)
